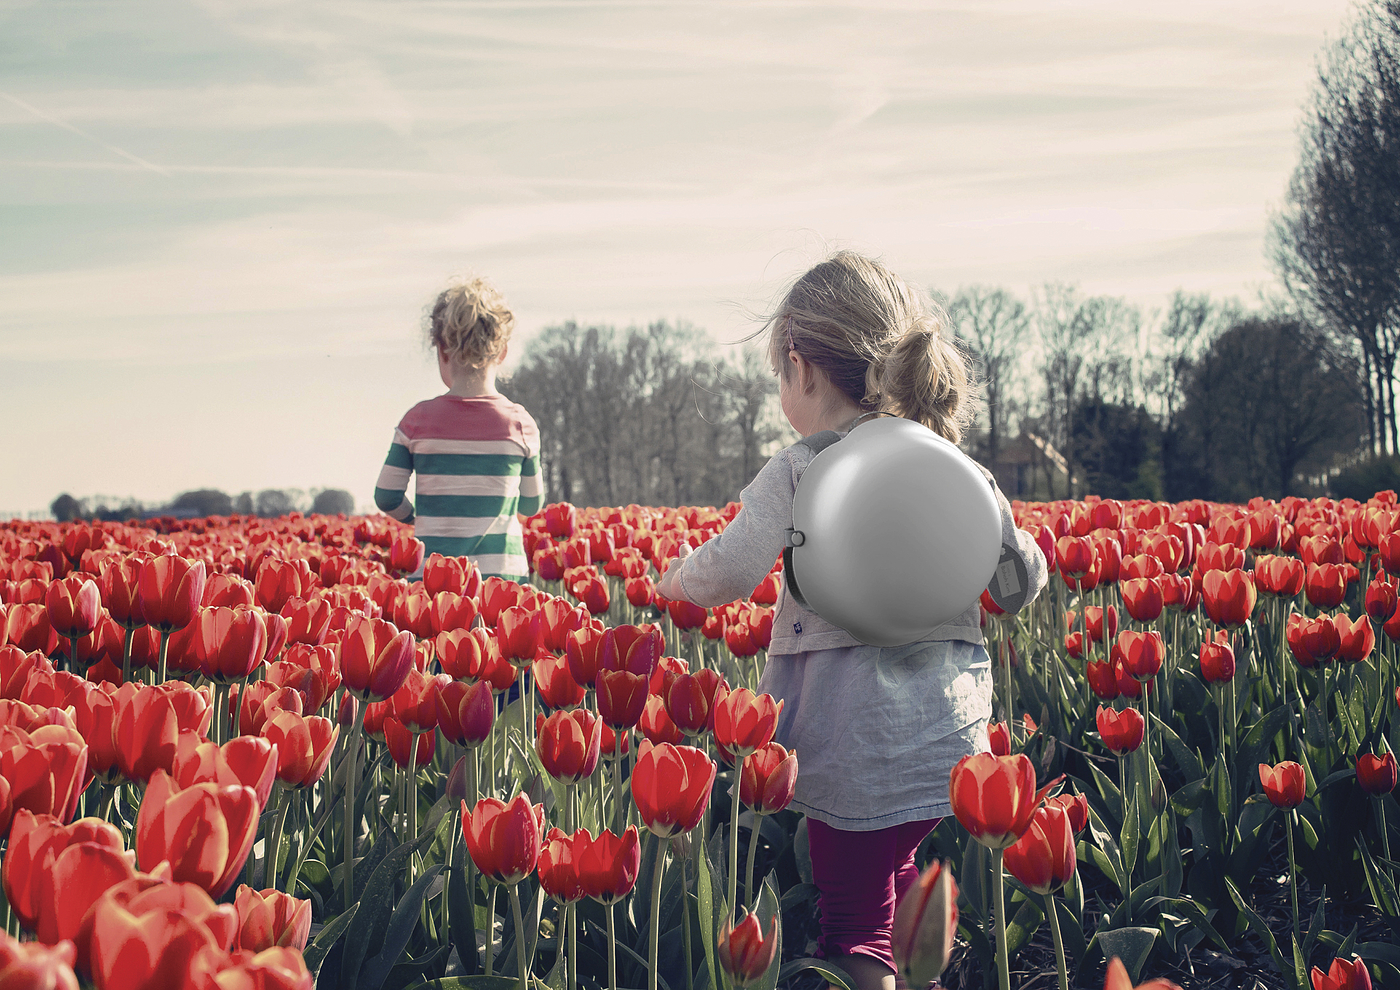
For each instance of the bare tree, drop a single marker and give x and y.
(1337, 243)
(992, 324)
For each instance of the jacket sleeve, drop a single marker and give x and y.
(1021, 572)
(731, 564)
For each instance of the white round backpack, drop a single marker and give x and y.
(895, 531)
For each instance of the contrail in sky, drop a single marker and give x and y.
(84, 134)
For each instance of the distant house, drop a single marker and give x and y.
(1022, 465)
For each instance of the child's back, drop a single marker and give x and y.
(476, 453)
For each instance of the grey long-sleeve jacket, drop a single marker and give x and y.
(731, 564)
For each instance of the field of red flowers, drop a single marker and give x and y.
(241, 752)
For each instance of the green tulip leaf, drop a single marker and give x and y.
(833, 974)
(1131, 945)
(325, 940)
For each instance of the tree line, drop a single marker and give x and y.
(1200, 400)
(268, 503)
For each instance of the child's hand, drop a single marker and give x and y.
(669, 587)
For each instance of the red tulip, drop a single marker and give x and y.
(1217, 659)
(671, 787)
(303, 745)
(1326, 585)
(230, 642)
(1120, 731)
(1142, 597)
(74, 605)
(1229, 596)
(280, 581)
(118, 585)
(445, 574)
(994, 796)
(27, 627)
(1076, 806)
(1281, 577)
(32, 870)
(45, 770)
(520, 632)
(169, 590)
(163, 947)
(310, 670)
(607, 866)
(1075, 556)
(554, 682)
(406, 555)
(35, 966)
(621, 697)
(745, 723)
(1355, 640)
(768, 779)
(1117, 979)
(1376, 774)
(270, 918)
(924, 925)
(690, 700)
(465, 712)
(1043, 858)
(248, 760)
(450, 611)
(1103, 681)
(307, 621)
(1142, 653)
(503, 839)
(1342, 975)
(375, 658)
(656, 725)
(1380, 600)
(583, 648)
(744, 951)
(401, 740)
(1094, 621)
(1285, 785)
(558, 866)
(205, 831)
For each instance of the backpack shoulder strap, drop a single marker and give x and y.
(816, 443)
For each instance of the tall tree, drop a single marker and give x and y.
(1271, 399)
(1337, 243)
(993, 325)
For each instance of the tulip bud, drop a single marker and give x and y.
(349, 710)
(457, 781)
(745, 952)
(924, 926)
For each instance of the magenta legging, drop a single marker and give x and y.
(862, 876)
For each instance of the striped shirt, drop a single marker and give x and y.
(478, 464)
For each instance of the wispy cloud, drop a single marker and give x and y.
(253, 202)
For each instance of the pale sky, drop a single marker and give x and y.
(220, 222)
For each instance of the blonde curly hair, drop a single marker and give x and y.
(884, 344)
(471, 322)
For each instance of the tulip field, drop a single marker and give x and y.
(252, 753)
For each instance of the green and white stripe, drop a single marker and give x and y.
(467, 494)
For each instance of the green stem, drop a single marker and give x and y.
(1292, 870)
(352, 753)
(1380, 821)
(109, 796)
(654, 932)
(238, 710)
(164, 648)
(734, 842)
(1059, 941)
(612, 951)
(126, 654)
(491, 930)
(1003, 959)
(753, 849)
(221, 713)
(685, 925)
(1123, 792)
(519, 937)
(273, 841)
(618, 814)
